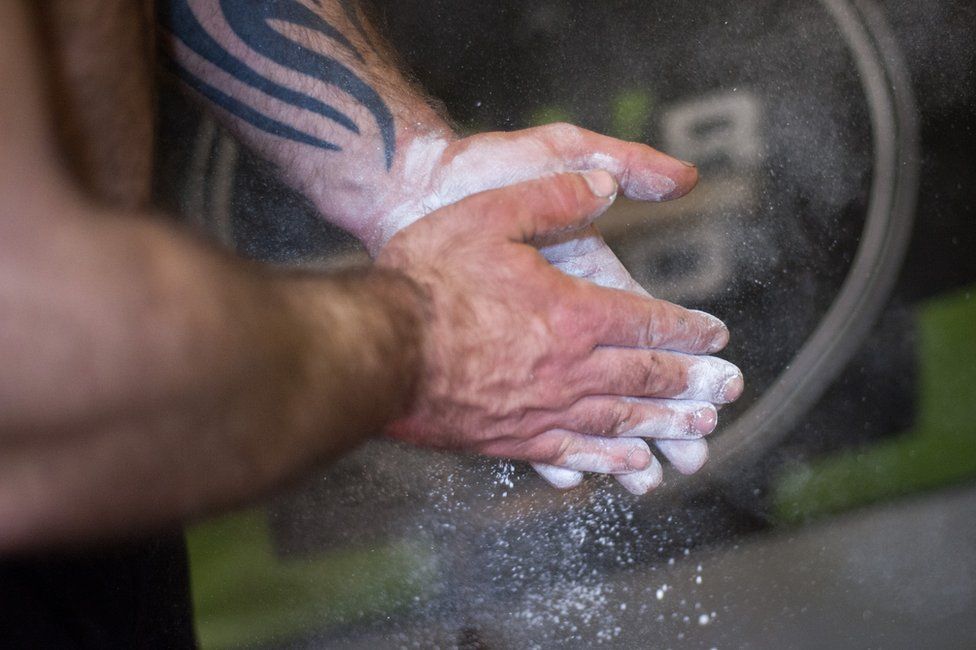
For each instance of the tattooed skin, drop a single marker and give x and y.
(353, 16)
(251, 22)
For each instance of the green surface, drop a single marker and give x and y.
(631, 112)
(939, 451)
(244, 595)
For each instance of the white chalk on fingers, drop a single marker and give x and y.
(711, 379)
(684, 420)
(687, 456)
(641, 184)
(557, 477)
(719, 344)
(644, 481)
(607, 455)
(645, 185)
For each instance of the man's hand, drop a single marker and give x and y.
(586, 255)
(437, 172)
(524, 362)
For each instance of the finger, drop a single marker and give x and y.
(636, 418)
(537, 208)
(628, 372)
(578, 452)
(644, 173)
(687, 456)
(642, 482)
(585, 255)
(631, 320)
(557, 477)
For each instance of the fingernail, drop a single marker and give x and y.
(688, 164)
(705, 420)
(639, 457)
(732, 388)
(601, 183)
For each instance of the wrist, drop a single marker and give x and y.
(374, 204)
(364, 353)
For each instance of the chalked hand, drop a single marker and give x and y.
(438, 171)
(512, 342)
(678, 426)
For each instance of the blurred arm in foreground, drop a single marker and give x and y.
(311, 86)
(148, 378)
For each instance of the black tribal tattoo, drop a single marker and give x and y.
(251, 22)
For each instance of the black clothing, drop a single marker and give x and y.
(133, 595)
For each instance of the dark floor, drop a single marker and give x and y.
(898, 576)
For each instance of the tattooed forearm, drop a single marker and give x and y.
(243, 111)
(256, 25)
(251, 24)
(177, 17)
(312, 87)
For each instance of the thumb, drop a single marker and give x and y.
(645, 174)
(541, 207)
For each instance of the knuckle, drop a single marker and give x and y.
(681, 331)
(626, 418)
(693, 332)
(686, 423)
(653, 322)
(679, 328)
(655, 379)
(569, 323)
(613, 422)
(562, 451)
(678, 423)
(561, 130)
